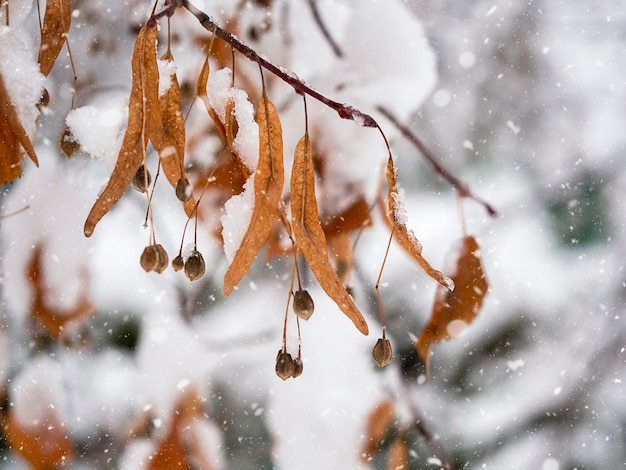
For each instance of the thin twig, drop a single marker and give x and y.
(457, 184)
(323, 29)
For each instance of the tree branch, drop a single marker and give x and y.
(345, 111)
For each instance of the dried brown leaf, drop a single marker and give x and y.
(398, 455)
(13, 133)
(268, 186)
(56, 25)
(354, 217)
(453, 311)
(171, 149)
(43, 443)
(180, 447)
(405, 237)
(51, 319)
(378, 426)
(10, 153)
(309, 234)
(144, 122)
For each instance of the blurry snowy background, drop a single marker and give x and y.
(525, 101)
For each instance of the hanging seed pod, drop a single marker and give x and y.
(382, 353)
(194, 266)
(183, 190)
(44, 100)
(303, 304)
(298, 366)
(284, 364)
(69, 146)
(149, 258)
(162, 258)
(178, 263)
(141, 180)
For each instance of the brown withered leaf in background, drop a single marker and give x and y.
(354, 217)
(405, 237)
(44, 444)
(172, 148)
(309, 234)
(181, 448)
(268, 186)
(201, 90)
(56, 25)
(339, 238)
(398, 455)
(144, 123)
(51, 320)
(379, 424)
(462, 304)
(12, 136)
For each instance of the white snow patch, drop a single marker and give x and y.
(20, 74)
(98, 129)
(167, 68)
(236, 219)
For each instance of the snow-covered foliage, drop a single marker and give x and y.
(522, 100)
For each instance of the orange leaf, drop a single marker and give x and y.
(44, 444)
(56, 25)
(268, 186)
(12, 133)
(144, 122)
(180, 448)
(378, 426)
(10, 153)
(453, 311)
(172, 148)
(398, 455)
(310, 236)
(355, 217)
(405, 237)
(51, 320)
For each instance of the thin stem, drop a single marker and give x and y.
(345, 111)
(380, 275)
(457, 184)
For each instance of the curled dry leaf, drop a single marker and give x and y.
(171, 149)
(13, 135)
(268, 186)
(56, 25)
(310, 236)
(379, 425)
(405, 237)
(453, 311)
(51, 319)
(144, 123)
